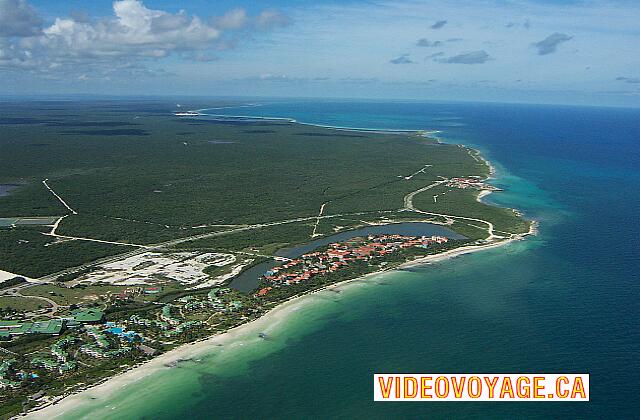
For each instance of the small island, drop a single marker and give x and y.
(128, 230)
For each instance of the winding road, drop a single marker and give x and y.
(408, 205)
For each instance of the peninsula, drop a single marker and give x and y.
(128, 230)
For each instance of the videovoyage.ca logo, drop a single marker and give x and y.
(481, 387)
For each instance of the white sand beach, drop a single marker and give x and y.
(58, 408)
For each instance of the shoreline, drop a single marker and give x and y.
(294, 121)
(107, 387)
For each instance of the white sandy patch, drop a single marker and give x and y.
(184, 267)
(6, 275)
(220, 279)
(483, 193)
(236, 336)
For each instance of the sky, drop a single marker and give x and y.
(532, 51)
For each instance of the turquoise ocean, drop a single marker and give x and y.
(565, 300)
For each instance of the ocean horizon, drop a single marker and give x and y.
(564, 300)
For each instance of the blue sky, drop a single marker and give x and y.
(580, 52)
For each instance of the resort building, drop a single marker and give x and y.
(13, 328)
(88, 316)
(339, 255)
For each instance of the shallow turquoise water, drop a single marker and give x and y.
(564, 301)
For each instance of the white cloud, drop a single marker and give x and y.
(203, 57)
(550, 44)
(233, 19)
(353, 38)
(18, 18)
(268, 19)
(133, 32)
(439, 24)
(348, 42)
(403, 59)
(473, 57)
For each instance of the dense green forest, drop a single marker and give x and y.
(136, 174)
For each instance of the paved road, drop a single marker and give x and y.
(408, 203)
(159, 246)
(54, 305)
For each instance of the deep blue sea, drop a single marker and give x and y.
(566, 300)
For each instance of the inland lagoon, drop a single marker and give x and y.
(248, 279)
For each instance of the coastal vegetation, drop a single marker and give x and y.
(152, 217)
(459, 202)
(26, 251)
(353, 267)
